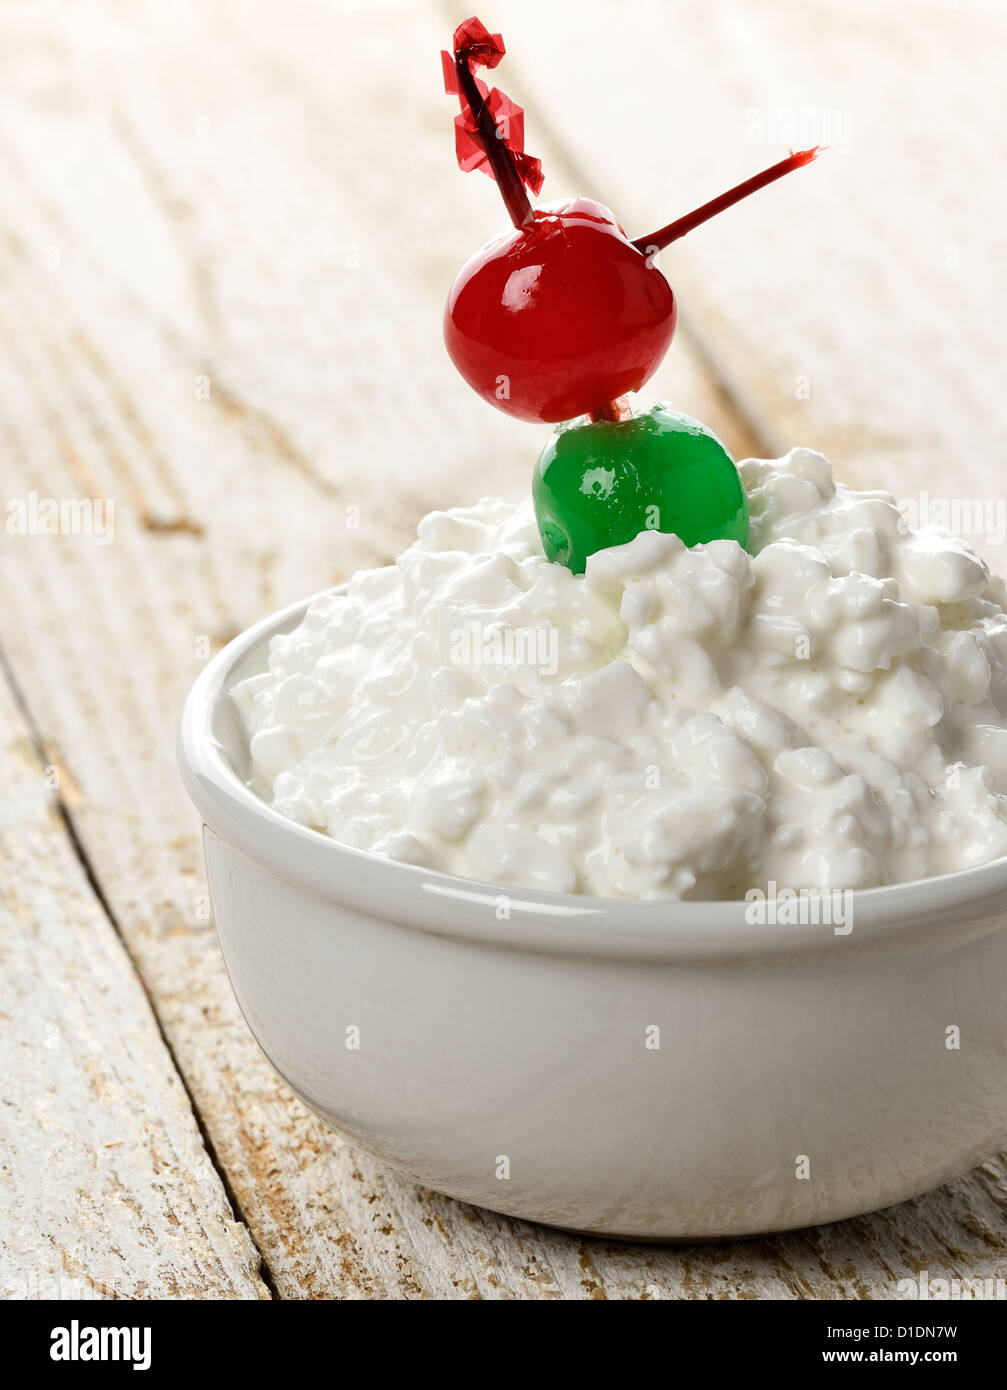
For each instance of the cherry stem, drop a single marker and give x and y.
(508, 179)
(616, 411)
(658, 240)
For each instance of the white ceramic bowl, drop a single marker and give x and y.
(506, 1037)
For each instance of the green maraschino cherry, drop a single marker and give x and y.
(599, 483)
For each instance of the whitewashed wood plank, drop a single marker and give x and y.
(106, 1188)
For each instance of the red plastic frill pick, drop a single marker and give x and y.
(489, 132)
(475, 40)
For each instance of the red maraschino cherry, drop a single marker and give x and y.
(555, 318)
(562, 315)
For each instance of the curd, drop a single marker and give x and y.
(825, 710)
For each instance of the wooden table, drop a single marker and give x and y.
(226, 233)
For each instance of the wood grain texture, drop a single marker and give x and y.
(225, 237)
(106, 1188)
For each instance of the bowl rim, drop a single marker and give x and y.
(495, 914)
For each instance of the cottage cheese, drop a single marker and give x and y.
(825, 711)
